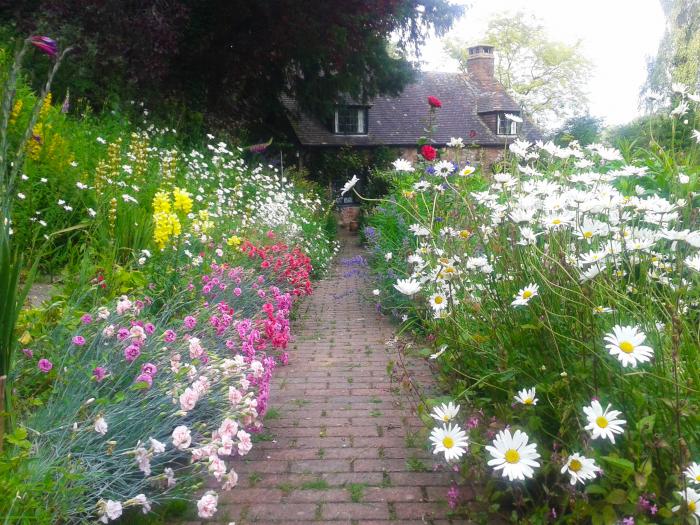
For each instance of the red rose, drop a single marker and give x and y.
(429, 153)
(434, 102)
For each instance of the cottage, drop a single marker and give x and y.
(474, 107)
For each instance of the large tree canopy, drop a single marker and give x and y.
(236, 57)
(545, 76)
(678, 57)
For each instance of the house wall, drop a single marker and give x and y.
(484, 156)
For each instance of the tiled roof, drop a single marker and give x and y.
(401, 121)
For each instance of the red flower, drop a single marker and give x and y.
(429, 153)
(434, 102)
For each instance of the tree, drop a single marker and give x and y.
(678, 57)
(545, 76)
(235, 58)
(584, 129)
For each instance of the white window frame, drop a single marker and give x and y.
(510, 123)
(360, 128)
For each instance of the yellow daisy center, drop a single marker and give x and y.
(692, 506)
(528, 401)
(588, 235)
(527, 294)
(512, 456)
(448, 442)
(464, 234)
(445, 418)
(626, 347)
(438, 300)
(697, 478)
(556, 221)
(575, 465)
(601, 421)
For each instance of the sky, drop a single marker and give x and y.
(617, 36)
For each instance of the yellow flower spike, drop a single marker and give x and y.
(182, 200)
(234, 240)
(46, 106)
(161, 203)
(16, 110)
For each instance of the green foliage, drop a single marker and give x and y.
(584, 129)
(678, 57)
(545, 76)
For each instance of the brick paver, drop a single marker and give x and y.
(343, 445)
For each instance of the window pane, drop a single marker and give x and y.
(361, 121)
(347, 120)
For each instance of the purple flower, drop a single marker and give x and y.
(45, 365)
(45, 45)
(123, 333)
(150, 369)
(78, 340)
(169, 336)
(453, 497)
(149, 328)
(628, 521)
(86, 319)
(99, 373)
(145, 378)
(28, 352)
(132, 352)
(190, 322)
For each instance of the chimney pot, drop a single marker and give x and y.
(480, 63)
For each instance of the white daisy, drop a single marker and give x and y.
(403, 165)
(407, 286)
(445, 412)
(527, 396)
(438, 302)
(513, 455)
(466, 171)
(349, 185)
(580, 468)
(444, 168)
(693, 262)
(692, 500)
(455, 142)
(439, 352)
(525, 294)
(693, 473)
(451, 440)
(603, 423)
(626, 343)
(602, 310)
(513, 117)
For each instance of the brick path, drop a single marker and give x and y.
(341, 446)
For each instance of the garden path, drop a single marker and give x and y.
(342, 445)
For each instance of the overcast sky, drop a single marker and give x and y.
(617, 36)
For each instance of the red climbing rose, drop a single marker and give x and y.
(429, 153)
(434, 102)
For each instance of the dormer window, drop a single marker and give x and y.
(508, 123)
(350, 120)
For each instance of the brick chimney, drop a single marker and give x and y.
(480, 63)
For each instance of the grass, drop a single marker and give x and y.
(272, 413)
(356, 491)
(286, 488)
(317, 484)
(415, 465)
(254, 478)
